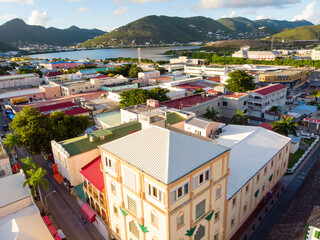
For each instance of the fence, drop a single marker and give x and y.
(296, 165)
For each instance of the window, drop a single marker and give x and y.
(134, 229)
(200, 209)
(111, 164)
(258, 177)
(132, 205)
(247, 188)
(200, 233)
(277, 172)
(197, 132)
(179, 193)
(244, 103)
(245, 208)
(200, 179)
(217, 216)
(272, 163)
(218, 193)
(180, 220)
(113, 188)
(115, 210)
(154, 192)
(265, 170)
(263, 188)
(234, 201)
(117, 230)
(216, 236)
(279, 155)
(224, 103)
(232, 222)
(129, 178)
(154, 218)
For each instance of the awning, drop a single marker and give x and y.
(57, 176)
(47, 221)
(88, 212)
(53, 230)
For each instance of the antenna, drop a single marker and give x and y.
(139, 55)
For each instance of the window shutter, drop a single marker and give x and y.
(207, 174)
(195, 182)
(160, 196)
(186, 188)
(173, 197)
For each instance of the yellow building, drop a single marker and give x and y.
(289, 78)
(162, 184)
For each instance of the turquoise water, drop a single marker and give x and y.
(154, 53)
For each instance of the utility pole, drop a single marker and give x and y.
(139, 55)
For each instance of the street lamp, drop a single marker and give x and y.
(45, 198)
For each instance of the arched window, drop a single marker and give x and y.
(180, 220)
(218, 191)
(154, 218)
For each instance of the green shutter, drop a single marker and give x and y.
(270, 178)
(123, 212)
(208, 218)
(143, 228)
(191, 231)
(257, 193)
(307, 232)
(317, 234)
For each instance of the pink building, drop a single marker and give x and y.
(61, 65)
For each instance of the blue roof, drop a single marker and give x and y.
(87, 71)
(62, 62)
(294, 139)
(304, 109)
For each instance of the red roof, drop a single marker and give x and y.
(266, 125)
(214, 79)
(189, 101)
(269, 89)
(104, 76)
(93, 174)
(53, 74)
(190, 86)
(212, 91)
(76, 111)
(57, 106)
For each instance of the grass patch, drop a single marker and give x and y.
(293, 158)
(309, 141)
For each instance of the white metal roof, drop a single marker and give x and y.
(17, 76)
(12, 187)
(251, 149)
(163, 154)
(198, 122)
(20, 93)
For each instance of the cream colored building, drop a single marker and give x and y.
(315, 54)
(163, 189)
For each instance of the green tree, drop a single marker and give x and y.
(36, 178)
(274, 109)
(285, 126)
(212, 114)
(240, 81)
(12, 141)
(134, 70)
(161, 69)
(198, 90)
(159, 94)
(240, 118)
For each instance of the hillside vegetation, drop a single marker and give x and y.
(300, 33)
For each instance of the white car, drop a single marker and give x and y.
(305, 135)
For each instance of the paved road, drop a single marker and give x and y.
(62, 206)
(294, 182)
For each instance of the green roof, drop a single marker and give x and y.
(173, 118)
(78, 145)
(101, 133)
(111, 119)
(79, 190)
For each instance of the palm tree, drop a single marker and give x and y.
(240, 118)
(274, 109)
(35, 179)
(11, 142)
(285, 126)
(211, 114)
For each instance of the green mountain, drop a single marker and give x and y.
(300, 33)
(157, 29)
(6, 48)
(17, 33)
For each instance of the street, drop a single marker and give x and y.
(61, 205)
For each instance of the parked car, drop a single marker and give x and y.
(305, 135)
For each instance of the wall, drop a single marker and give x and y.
(29, 81)
(51, 92)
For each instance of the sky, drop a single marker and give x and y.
(110, 14)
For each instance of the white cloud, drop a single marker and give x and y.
(263, 17)
(308, 14)
(38, 18)
(231, 15)
(7, 17)
(120, 10)
(147, 1)
(108, 29)
(211, 4)
(82, 9)
(18, 1)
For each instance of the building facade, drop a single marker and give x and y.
(289, 78)
(315, 54)
(257, 55)
(20, 80)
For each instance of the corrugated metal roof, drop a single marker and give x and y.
(249, 153)
(17, 76)
(163, 154)
(198, 122)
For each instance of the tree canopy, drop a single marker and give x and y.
(212, 114)
(36, 131)
(240, 81)
(139, 96)
(285, 126)
(240, 118)
(32, 70)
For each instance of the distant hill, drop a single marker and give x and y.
(300, 33)
(157, 29)
(17, 33)
(6, 48)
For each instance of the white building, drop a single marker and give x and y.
(256, 55)
(145, 76)
(19, 216)
(315, 54)
(206, 71)
(183, 59)
(19, 80)
(262, 99)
